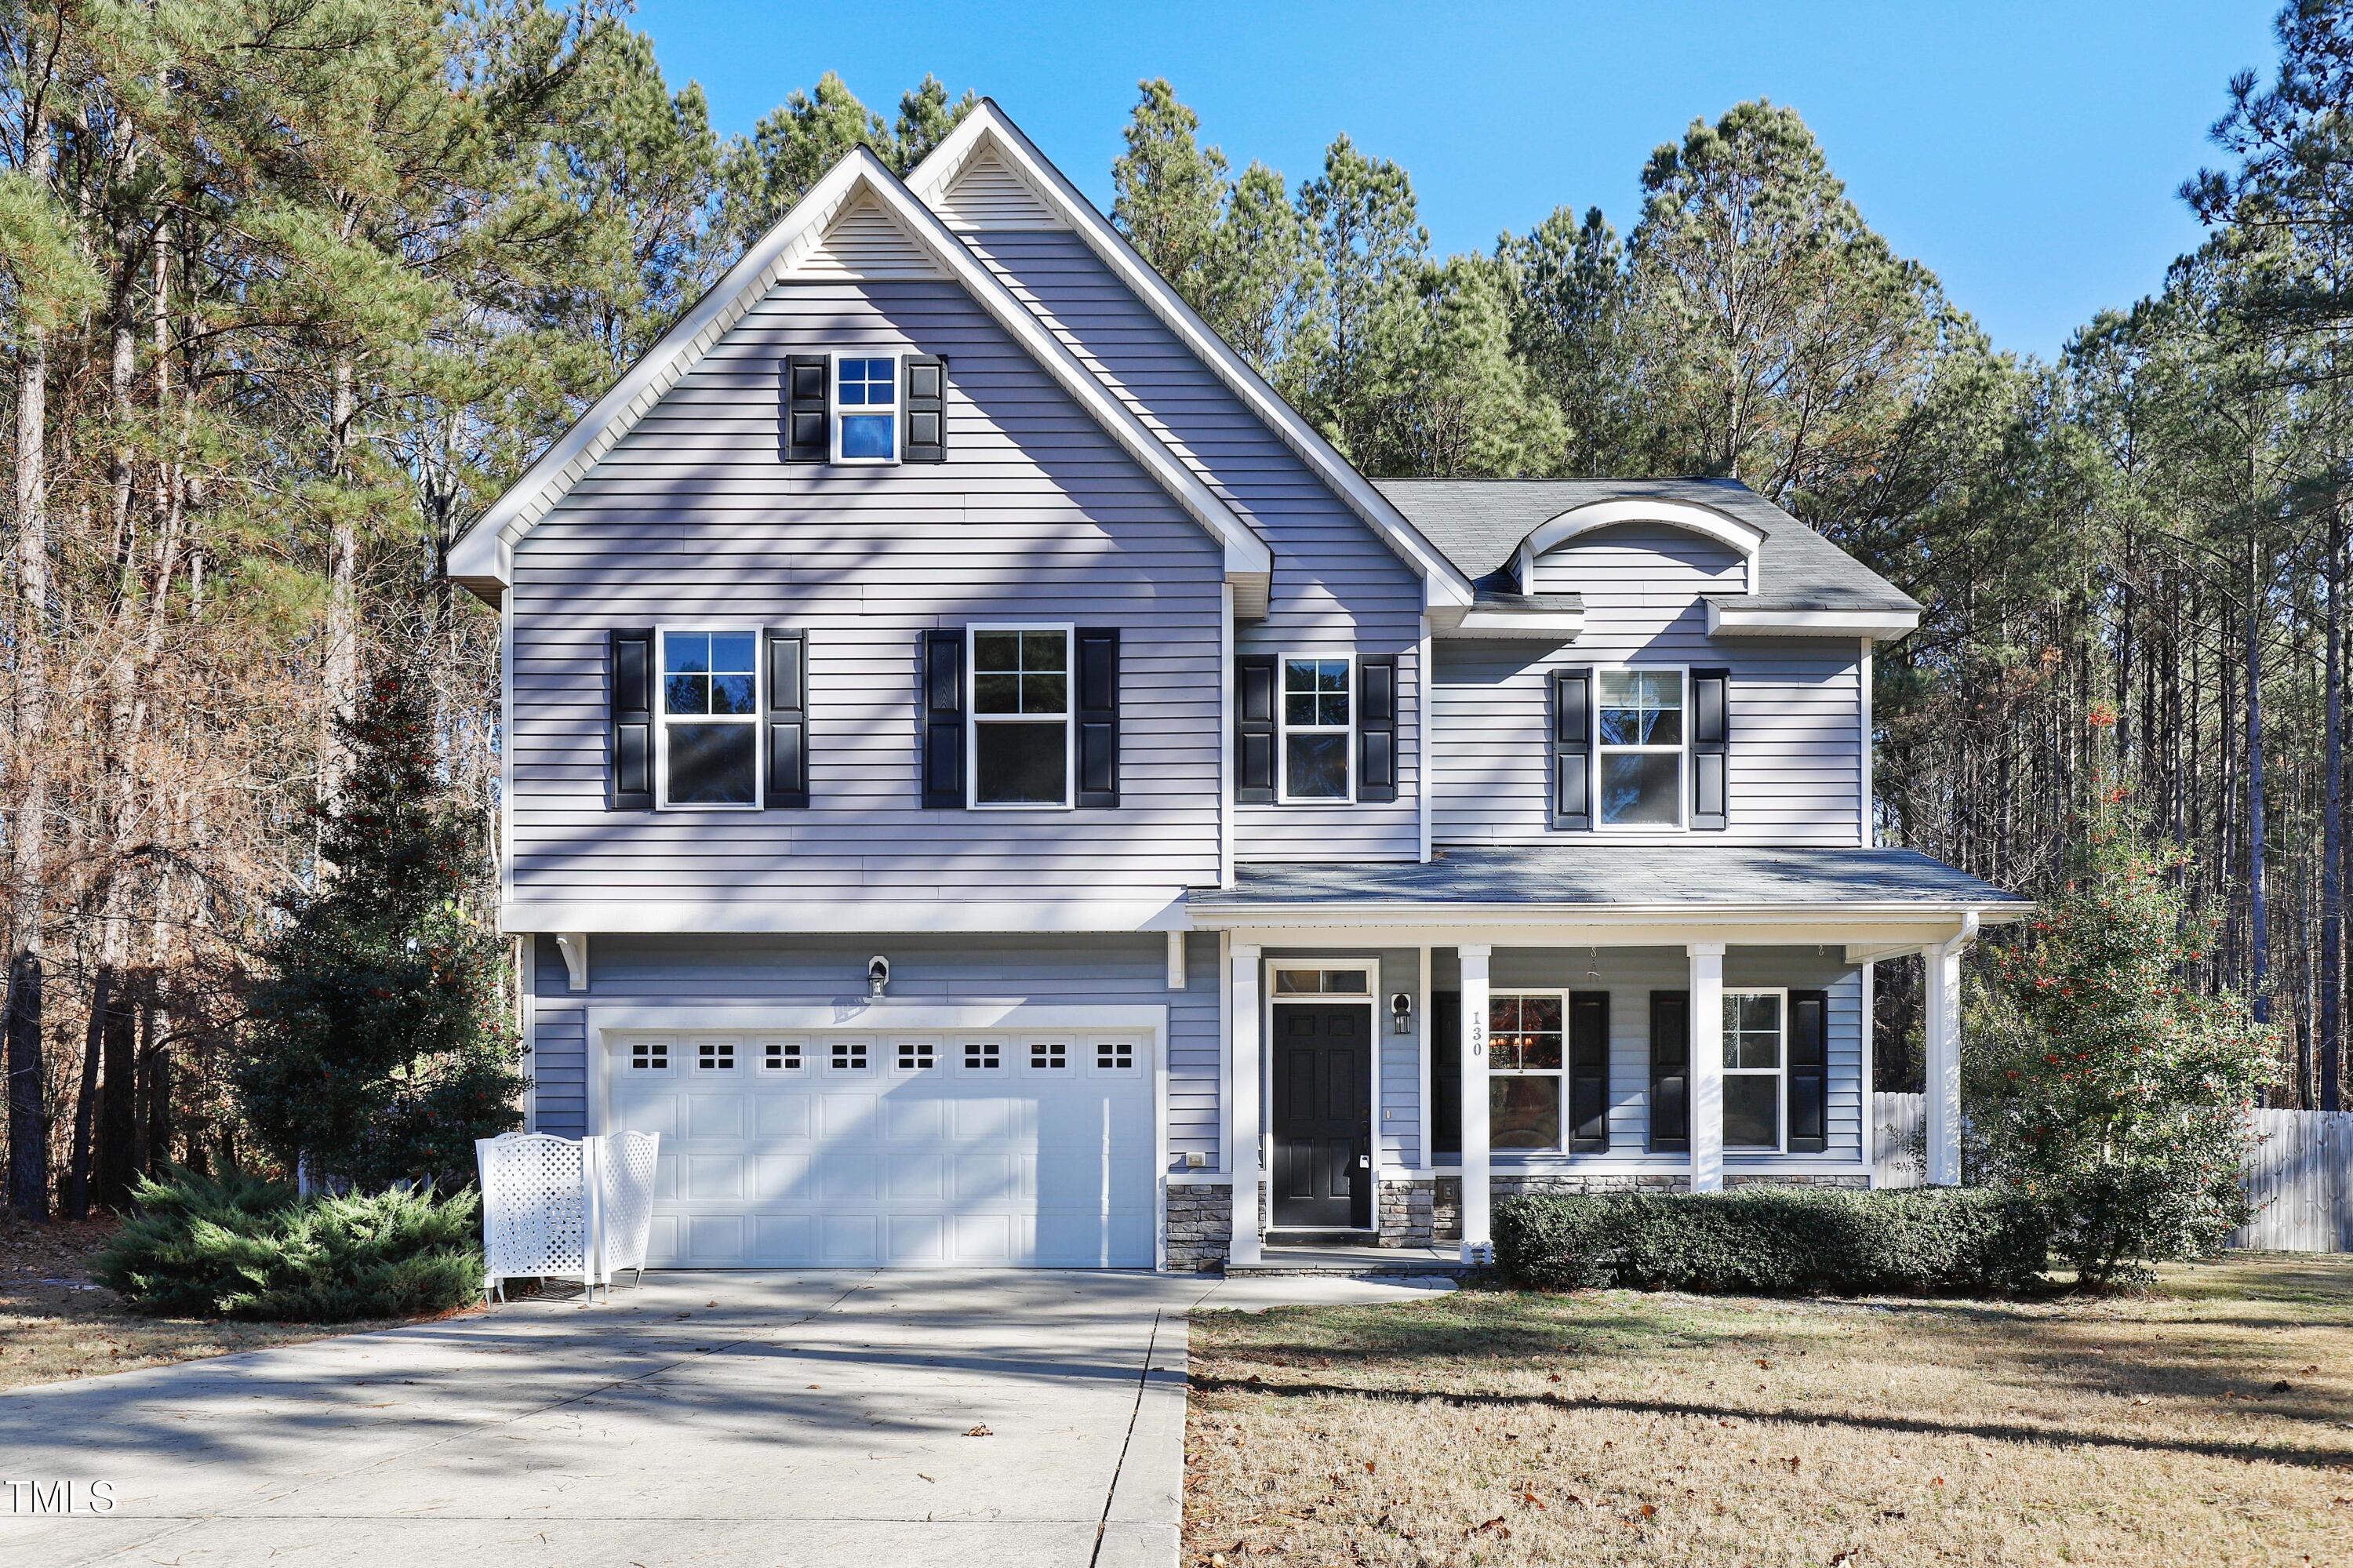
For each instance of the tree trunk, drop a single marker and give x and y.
(86, 1103)
(117, 1102)
(29, 1118)
(2258, 928)
(2328, 1045)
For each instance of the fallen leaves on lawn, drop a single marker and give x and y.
(981, 1431)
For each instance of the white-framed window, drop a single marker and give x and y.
(1352, 981)
(1316, 711)
(707, 745)
(1018, 717)
(1527, 1039)
(1640, 739)
(1049, 1055)
(850, 1055)
(917, 1055)
(984, 1056)
(1756, 1063)
(714, 1057)
(1114, 1055)
(780, 1055)
(865, 407)
(649, 1055)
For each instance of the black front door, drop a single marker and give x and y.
(1323, 1133)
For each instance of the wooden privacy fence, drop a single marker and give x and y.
(2301, 1175)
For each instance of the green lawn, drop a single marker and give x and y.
(2209, 1423)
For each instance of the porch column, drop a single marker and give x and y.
(1706, 1066)
(1473, 1045)
(1242, 1112)
(1943, 963)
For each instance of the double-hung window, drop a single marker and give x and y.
(1755, 1034)
(866, 404)
(1318, 715)
(1524, 1045)
(707, 752)
(1021, 740)
(1638, 750)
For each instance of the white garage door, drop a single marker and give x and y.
(838, 1149)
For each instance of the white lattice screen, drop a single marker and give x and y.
(564, 1208)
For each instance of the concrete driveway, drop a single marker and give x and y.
(882, 1420)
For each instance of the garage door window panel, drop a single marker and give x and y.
(850, 1055)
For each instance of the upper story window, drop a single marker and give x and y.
(866, 396)
(1317, 710)
(1754, 1033)
(1640, 748)
(708, 750)
(1020, 738)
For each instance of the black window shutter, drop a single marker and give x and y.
(1377, 726)
(1254, 729)
(1446, 1074)
(1098, 656)
(1711, 748)
(944, 719)
(1670, 1072)
(809, 432)
(1588, 1071)
(926, 433)
(1810, 1071)
(786, 719)
(629, 737)
(1572, 740)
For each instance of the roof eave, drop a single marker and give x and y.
(1730, 618)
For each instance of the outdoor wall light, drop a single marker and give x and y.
(878, 974)
(1400, 1012)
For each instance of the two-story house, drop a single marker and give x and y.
(988, 782)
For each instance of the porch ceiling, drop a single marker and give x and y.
(1642, 891)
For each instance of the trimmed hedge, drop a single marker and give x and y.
(239, 1247)
(1777, 1241)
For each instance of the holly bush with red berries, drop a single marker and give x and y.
(2100, 1078)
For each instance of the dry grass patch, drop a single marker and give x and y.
(55, 1324)
(2211, 1423)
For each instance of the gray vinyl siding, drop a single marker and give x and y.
(1337, 588)
(747, 971)
(1630, 975)
(1037, 516)
(1796, 760)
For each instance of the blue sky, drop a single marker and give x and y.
(2027, 154)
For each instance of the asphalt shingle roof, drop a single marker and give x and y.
(1478, 524)
(1604, 874)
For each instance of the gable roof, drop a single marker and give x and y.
(482, 558)
(1802, 578)
(986, 134)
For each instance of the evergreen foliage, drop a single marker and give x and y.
(375, 1048)
(1775, 1241)
(2099, 1084)
(239, 1247)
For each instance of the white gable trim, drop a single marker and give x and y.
(483, 558)
(1744, 537)
(1443, 583)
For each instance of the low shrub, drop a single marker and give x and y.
(1775, 1241)
(239, 1247)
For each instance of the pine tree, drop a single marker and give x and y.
(375, 1051)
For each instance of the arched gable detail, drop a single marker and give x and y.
(1744, 538)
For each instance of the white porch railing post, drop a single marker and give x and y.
(1242, 1124)
(1476, 1234)
(1706, 1066)
(1944, 1064)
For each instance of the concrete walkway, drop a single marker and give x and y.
(879, 1420)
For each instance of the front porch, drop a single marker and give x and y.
(1399, 1061)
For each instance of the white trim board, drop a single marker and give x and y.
(483, 558)
(988, 126)
(886, 909)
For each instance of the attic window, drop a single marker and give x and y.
(866, 393)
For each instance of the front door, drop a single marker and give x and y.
(1323, 1132)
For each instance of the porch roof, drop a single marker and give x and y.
(1629, 877)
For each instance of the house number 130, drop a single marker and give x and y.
(1478, 1037)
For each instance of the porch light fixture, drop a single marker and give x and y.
(1400, 1012)
(878, 974)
